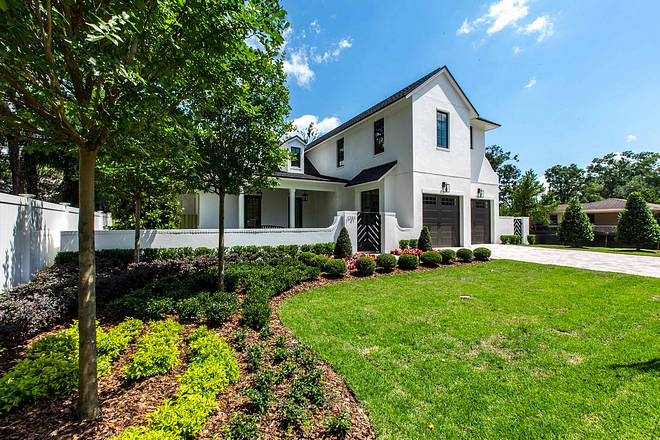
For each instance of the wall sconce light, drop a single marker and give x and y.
(480, 193)
(305, 197)
(445, 187)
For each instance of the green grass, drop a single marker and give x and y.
(537, 352)
(627, 251)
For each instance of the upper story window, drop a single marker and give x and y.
(295, 163)
(443, 130)
(471, 144)
(379, 136)
(340, 152)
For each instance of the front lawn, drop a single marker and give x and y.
(535, 352)
(627, 251)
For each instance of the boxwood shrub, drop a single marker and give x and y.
(482, 254)
(256, 309)
(319, 261)
(448, 256)
(306, 257)
(408, 262)
(386, 261)
(335, 267)
(465, 255)
(365, 266)
(412, 243)
(531, 239)
(431, 259)
(510, 239)
(403, 244)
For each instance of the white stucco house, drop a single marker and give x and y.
(414, 159)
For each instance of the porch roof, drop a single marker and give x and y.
(371, 174)
(310, 174)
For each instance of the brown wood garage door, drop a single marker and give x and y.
(480, 221)
(441, 216)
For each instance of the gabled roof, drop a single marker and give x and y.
(371, 174)
(607, 205)
(295, 136)
(310, 174)
(403, 93)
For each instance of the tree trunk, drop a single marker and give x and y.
(221, 244)
(138, 212)
(18, 187)
(31, 174)
(88, 400)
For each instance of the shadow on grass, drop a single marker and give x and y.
(643, 367)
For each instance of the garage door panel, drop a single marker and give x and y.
(481, 221)
(441, 216)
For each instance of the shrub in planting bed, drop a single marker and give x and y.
(510, 239)
(448, 256)
(430, 259)
(482, 254)
(465, 255)
(256, 309)
(424, 243)
(408, 262)
(412, 243)
(157, 351)
(365, 266)
(335, 267)
(531, 239)
(403, 244)
(386, 261)
(306, 257)
(343, 248)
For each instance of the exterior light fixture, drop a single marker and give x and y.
(480, 193)
(445, 187)
(305, 197)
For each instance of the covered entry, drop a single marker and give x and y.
(480, 221)
(442, 217)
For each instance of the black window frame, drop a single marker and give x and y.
(379, 136)
(444, 128)
(370, 201)
(471, 141)
(298, 157)
(340, 153)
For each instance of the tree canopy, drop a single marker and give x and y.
(574, 226)
(636, 224)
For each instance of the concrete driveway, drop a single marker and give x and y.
(608, 262)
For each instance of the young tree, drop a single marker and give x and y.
(575, 226)
(636, 223)
(89, 74)
(239, 133)
(565, 182)
(424, 242)
(343, 246)
(508, 173)
(528, 199)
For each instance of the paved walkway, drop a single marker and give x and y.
(631, 264)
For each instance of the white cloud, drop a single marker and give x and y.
(254, 42)
(517, 50)
(543, 26)
(333, 53)
(298, 66)
(315, 26)
(324, 126)
(631, 138)
(465, 28)
(508, 13)
(531, 83)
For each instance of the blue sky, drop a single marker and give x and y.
(568, 80)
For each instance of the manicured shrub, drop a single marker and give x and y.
(319, 261)
(313, 272)
(430, 259)
(157, 351)
(144, 433)
(65, 257)
(531, 239)
(335, 267)
(256, 309)
(386, 261)
(408, 262)
(510, 239)
(403, 244)
(424, 243)
(636, 223)
(448, 256)
(343, 247)
(219, 306)
(324, 248)
(205, 251)
(575, 226)
(306, 257)
(365, 266)
(465, 255)
(412, 243)
(189, 308)
(482, 254)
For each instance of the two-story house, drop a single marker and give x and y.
(414, 159)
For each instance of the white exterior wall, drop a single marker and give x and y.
(30, 235)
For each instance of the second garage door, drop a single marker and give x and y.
(441, 215)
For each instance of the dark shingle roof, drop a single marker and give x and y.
(376, 108)
(613, 204)
(310, 174)
(371, 174)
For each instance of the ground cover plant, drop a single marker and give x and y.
(157, 351)
(567, 354)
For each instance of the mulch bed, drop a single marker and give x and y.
(126, 403)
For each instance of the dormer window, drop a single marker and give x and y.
(295, 163)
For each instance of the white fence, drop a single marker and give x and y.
(30, 235)
(194, 238)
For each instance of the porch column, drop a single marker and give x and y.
(241, 211)
(292, 207)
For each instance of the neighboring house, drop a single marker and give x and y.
(604, 213)
(416, 158)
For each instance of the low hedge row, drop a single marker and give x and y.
(50, 367)
(212, 366)
(157, 351)
(510, 239)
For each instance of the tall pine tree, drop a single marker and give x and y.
(575, 226)
(636, 223)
